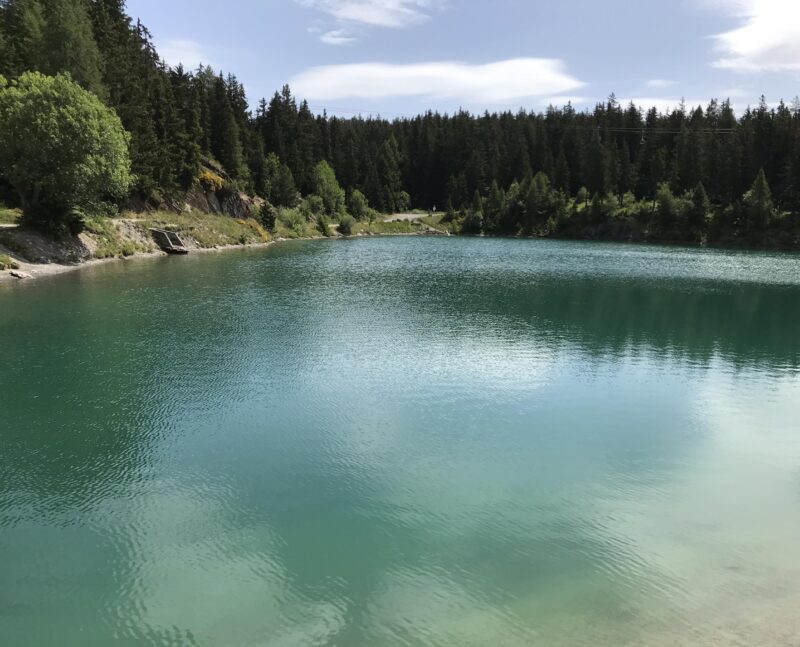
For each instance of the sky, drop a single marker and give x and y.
(402, 57)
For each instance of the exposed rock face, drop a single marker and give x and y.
(35, 248)
(229, 203)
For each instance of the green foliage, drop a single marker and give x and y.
(8, 263)
(312, 207)
(267, 215)
(327, 187)
(69, 45)
(346, 223)
(291, 223)
(205, 230)
(110, 243)
(757, 207)
(9, 216)
(283, 192)
(525, 166)
(473, 221)
(324, 226)
(60, 148)
(358, 205)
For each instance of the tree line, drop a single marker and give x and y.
(619, 171)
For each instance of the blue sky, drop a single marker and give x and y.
(401, 57)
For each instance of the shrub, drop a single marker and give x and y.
(293, 220)
(7, 263)
(267, 216)
(61, 149)
(324, 228)
(210, 181)
(312, 207)
(346, 225)
(357, 205)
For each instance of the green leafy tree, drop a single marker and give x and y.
(327, 187)
(268, 216)
(357, 205)
(346, 224)
(60, 148)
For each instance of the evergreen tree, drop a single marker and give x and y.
(69, 45)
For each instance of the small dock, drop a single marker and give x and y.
(169, 241)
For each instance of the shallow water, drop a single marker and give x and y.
(404, 441)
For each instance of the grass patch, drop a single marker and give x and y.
(206, 230)
(110, 242)
(9, 216)
(290, 223)
(437, 222)
(383, 227)
(8, 263)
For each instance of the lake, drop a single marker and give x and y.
(404, 441)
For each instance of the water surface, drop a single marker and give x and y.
(404, 441)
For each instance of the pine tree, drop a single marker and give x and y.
(758, 208)
(69, 45)
(389, 176)
(698, 213)
(562, 175)
(226, 145)
(24, 26)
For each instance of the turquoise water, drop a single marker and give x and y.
(404, 441)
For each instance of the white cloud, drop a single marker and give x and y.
(178, 51)
(768, 40)
(659, 83)
(491, 83)
(374, 13)
(336, 37)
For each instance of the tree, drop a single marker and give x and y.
(698, 212)
(473, 223)
(60, 148)
(666, 213)
(23, 24)
(357, 205)
(69, 45)
(267, 215)
(758, 209)
(283, 191)
(327, 187)
(226, 144)
(389, 176)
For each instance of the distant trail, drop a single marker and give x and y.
(405, 216)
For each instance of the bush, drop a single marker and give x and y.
(324, 228)
(61, 149)
(210, 181)
(327, 187)
(267, 216)
(7, 263)
(346, 223)
(294, 221)
(357, 205)
(312, 207)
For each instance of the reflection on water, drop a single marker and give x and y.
(404, 441)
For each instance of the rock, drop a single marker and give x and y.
(20, 275)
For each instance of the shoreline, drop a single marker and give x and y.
(36, 271)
